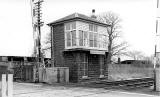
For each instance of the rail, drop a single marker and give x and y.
(124, 84)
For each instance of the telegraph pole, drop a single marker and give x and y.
(37, 23)
(154, 71)
(155, 54)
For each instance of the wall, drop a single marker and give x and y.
(53, 75)
(127, 71)
(75, 61)
(58, 44)
(70, 61)
(48, 75)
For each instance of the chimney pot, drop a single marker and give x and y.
(93, 14)
(93, 10)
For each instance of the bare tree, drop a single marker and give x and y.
(47, 42)
(114, 33)
(46, 46)
(42, 53)
(136, 55)
(147, 61)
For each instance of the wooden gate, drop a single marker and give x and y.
(23, 71)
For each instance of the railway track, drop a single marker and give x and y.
(123, 84)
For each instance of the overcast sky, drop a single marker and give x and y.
(16, 37)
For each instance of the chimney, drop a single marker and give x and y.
(93, 14)
(119, 60)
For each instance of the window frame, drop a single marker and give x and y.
(81, 35)
(94, 31)
(70, 31)
(67, 38)
(84, 41)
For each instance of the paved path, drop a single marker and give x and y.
(41, 90)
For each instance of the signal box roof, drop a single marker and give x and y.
(74, 17)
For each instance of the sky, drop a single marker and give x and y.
(16, 32)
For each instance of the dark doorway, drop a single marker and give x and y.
(93, 66)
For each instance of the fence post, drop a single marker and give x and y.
(4, 85)
(10, 85)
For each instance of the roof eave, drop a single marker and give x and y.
(60, 22)
(77, 18)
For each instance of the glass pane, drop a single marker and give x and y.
(104, 41)
(74, 25)
(81, 38)
(90, 27)
(91, 39)
(95, 28)
(68, 38)
(95, 39)
(85, 38)
(68, 26)
(100, 42)
(73, 38)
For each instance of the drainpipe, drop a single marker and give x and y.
(52, 47)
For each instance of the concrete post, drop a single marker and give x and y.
(10, 85)
(157, 79)
(67, 75)
(4, 85)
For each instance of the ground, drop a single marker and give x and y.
(71, 90)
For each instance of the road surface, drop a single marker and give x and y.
(43, 90)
